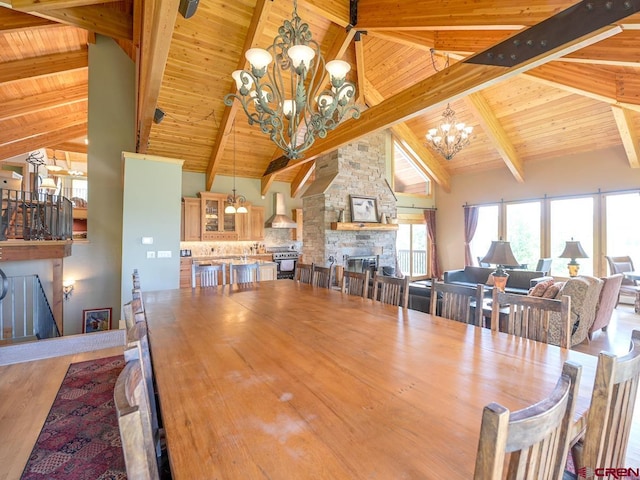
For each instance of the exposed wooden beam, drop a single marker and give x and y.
(12, 21)
(493, 129)
(40, 5)
(302, 178)
(43, 101)
(420, 40)
(46, 138)
(628, 134)
(423, 158)
(75, 147)
(44, 65)
(426, 15)
(335, 10)
(23, 132)
(589, 81)
(455, 82)
(157, 35)
(260, 14)
(360, 66)
(96, 18)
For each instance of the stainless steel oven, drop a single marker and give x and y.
(286, 263)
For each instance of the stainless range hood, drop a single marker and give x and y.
(280, 219)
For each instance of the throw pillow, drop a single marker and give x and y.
(552, 291)
(539, 289)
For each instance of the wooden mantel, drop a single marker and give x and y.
(356, 226)
(55, 250)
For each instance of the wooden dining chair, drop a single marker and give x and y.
(531, 317)
(137, 305)
(210, 275)
(135, 276)
(457, 302)
(244, 273)
(613, 399)
(322, 276)
(536, 438)
(356, 283)
(304, 273)
(132, 408)
(391, 290)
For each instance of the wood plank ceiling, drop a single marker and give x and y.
(409, 59)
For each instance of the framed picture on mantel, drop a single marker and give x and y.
(364, 209)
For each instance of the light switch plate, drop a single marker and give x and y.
(151, 254)
(164, 253)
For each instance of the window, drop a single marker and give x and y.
(411, 248)
(523, 232)
(571, 218)
(486, 231)
(623, 233)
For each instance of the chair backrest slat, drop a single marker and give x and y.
(611, 410)
(457, 302)
(391, 290)
(322, 276)
(356, 283)
(132, 407)
(209, 275)
(530, 317)
(535, 439)
(244, 274)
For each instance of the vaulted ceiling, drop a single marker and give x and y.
(537, 82)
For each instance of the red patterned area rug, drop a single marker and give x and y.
(80, 439)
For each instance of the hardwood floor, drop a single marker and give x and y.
(28, 389)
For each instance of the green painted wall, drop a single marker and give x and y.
(151, 208)
(95, 264)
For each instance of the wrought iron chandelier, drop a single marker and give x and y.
(235, 203)
(291, 108)
(451, 136)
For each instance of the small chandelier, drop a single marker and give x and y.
(235, 203)
(451, 136)
(289, 107)
(54, 167)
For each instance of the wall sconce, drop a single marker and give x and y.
(67, 288)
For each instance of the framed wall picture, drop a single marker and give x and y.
(364, 209)
(96, 320)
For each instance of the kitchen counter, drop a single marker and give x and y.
(268, 268)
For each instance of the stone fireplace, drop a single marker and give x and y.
(355, 169)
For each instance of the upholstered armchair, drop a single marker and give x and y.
(606, 303)
(584, 292)
(622, 265)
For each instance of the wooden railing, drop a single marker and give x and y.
(35, 216)
(417, 262)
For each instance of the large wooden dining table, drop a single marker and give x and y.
(287, 381)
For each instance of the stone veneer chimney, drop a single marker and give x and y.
(355, 169)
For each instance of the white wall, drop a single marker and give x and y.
(579, 174)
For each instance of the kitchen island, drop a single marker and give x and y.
(268, 268)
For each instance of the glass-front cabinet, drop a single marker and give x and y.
(216, 225)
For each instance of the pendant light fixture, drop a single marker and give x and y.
(235, 203)
(276, 92)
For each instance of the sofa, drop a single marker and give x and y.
(420, 295)
(606, 303)
(585, 293)
(519, 281)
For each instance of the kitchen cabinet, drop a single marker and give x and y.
(191, 220)
(185, 272)
(216, 225)
(256, 220)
